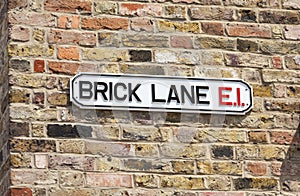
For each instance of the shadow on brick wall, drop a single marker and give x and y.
(290, 168)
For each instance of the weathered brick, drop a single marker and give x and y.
(292, 61)
(108, 164)
(181, 42)
(204, 42)
(71, 37)
(174, 26)
(75, 192)
(217, 184)
(259, 136)
(271, 152)
(17, 4)
(71, 162)
(32, 19)
(247, 45)
(142, 24)
(255, 183)
(108, 180)
(291, 4)
(68, 53)
(280, 76)
(211, 13)
(278, 47)
(19, 129)
(182, 182)
(19, 96)
(249, 3)
(20, 65)
(262, 91)
(109, 39)
(282, 137)
(38, 35)
(147, 165)
(135, 9)
(183, 150)
(34, 177)
(246, 60)
(247, 152)
(102, 54)
(146, 181)
(20, 160)
(114, 149)
(212, 28)
(31, 50)
(279, 17)
(105, 7)
(71, 146)
(140, 40)
(70, 6)
(141, 133)
(71, 179)
(257, 168)
(248, 30)
(146, 150)
(292, 32)
(19, 33)
(105, 23)
(38, 98)
(184, 167)
(32, 145)
(175, 11)
(277, 62)
(68, 22)
(246, 15)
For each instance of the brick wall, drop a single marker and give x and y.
(57, 149)
(4, 113)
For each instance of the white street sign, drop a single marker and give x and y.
(161, 93)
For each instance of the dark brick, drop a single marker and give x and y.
(19, 129)
(1, 157)
(19, 65)
(242, 183)
(247, 46)
(247, 15)
(68, 131)
(279, 17)
(140, 55)
(27, 145)
(222, 152)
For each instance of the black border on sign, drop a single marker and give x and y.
(134, 108)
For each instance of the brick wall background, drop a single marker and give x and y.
(57, 149)
(4, 113)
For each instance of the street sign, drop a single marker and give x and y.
(161, 93)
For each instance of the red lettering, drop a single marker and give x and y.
(221, 96)
(238, 94)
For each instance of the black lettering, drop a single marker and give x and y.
(132, 92)
(153, 95)
(84, 91)
(184, 92)
(198, 88)
(102, 91)
(110, 91)
(119, 84)
(173, 94)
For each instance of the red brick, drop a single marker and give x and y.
(108, 180)
(18, 33)
(248, 30)
(32, 19)
(72, 37)
(68, 53)
(38, 98)
(257, 169)
(292, 32)
(276, 168)
(70, 68)
(39, 66)
(212, 28)
(68, 22)
(281, 137)
(70, 6)
(105, 23)
(135, 9)
(181, 42)
(277, 62)
(142, 24)
(20, 192)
